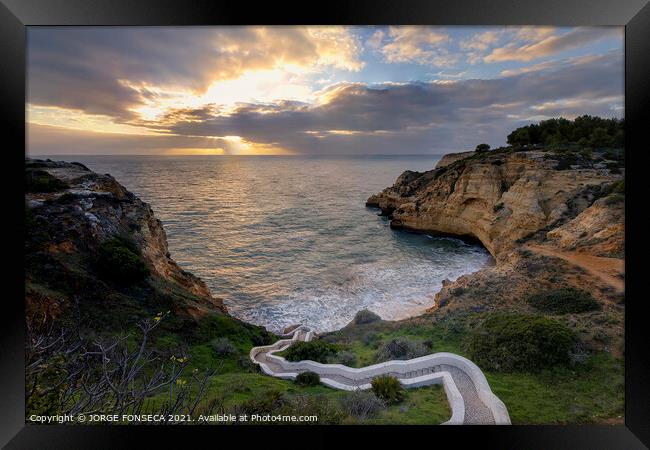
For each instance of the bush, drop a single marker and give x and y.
(245, 363)
(263, 338)
(346, 358)
(400, 348)
(318, 350)
(482, 148)
(267, 403)
(223, 347)
(42, 181)
(388, 389)
(584, 130)
(120, 260)
(563, 301)
(326, 410)
(619, 187)
(365, 316)
(371, 339)
(566, 160)
(308, 379)
(510, 342)
(362, 404)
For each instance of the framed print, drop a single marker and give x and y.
(380, 218)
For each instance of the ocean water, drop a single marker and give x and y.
(287, 240)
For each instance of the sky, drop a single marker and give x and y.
(310, 90)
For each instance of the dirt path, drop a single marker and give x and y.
(610, 270)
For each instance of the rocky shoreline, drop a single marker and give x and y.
(530, 215)
(544, 221)
(70, 212)
(73, 216)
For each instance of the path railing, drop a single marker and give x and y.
(412, 373)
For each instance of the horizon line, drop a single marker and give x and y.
(218, 156)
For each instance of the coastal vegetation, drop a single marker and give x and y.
(316, 350)
(388, 388)
(563, 301)
(508, 342)
(584, 132)
(41, 181)
(549, 342)
(119, 260)
(308, 379)
(587, 389)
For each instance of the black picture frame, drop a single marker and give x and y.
(16, 15)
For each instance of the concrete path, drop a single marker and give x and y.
(468, 392)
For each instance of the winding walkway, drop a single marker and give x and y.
(468, 392)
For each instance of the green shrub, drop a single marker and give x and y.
(365, 316)
(512, 342)
(614, 198)
(400, 348)
(120, 260)
(42, 181)
(268, 402)
(584, 130)
(263, 338)
(388, 388)
(223, 347)
(563, 301)
(482, 148)
(346, 358)
(566, 161)
(362, 404)
(324, 408)
(619, 187)
(245, 363)
(317, 350)
(308, 379)
(370, 339)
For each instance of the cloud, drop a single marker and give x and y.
(244, 90)
(53, 140)
(113, 71)
(413, 44)
(480, 41)
(549, 44)
(387, 117)
(375, 40)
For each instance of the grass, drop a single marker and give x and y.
(421, 406)
(427, 405)
(589, 392)
(563, 301)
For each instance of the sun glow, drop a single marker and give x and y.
(195, 151)
(79, 120)
(252, 87)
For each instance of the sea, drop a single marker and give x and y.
(288, 239)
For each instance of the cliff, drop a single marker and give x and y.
(551, 220)
(497, 198)
(70, 212)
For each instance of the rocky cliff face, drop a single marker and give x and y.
(452, 157)
(550, 221)
(498, 198)
(72, 210)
